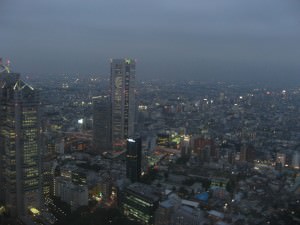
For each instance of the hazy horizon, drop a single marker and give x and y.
(221, 40)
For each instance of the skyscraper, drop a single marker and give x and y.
(101, 124)
(19, 144)
(134, 159)
(122, 85)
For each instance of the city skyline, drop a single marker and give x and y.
(149, 112)
(249, 41)
(203, 151)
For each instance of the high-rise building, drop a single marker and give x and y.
(20, 183)
(134, 159)
(122, 83)
(247, 153)
(101, 124)
(281, 157)
(296, 160)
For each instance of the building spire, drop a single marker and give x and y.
(4, 67)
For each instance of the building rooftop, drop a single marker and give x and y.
(216, 214)
(145, 191)
(167, 204)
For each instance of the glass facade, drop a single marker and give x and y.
(101, 124)
(122, 98)
(138, 209)
(20, 158)
(134, 159)
(139, 205)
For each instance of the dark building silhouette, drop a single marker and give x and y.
(101, 124)
(133, 159)
(206, 149)
(247, 153)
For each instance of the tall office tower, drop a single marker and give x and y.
(101, 124)
(247, 153)
(296, 160)
(19, 144)
(122, 84)
(134, 159)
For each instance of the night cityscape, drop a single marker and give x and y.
(153, 131)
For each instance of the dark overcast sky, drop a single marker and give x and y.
(222, 39)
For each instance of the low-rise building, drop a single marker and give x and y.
(140, 202)
(73, 194)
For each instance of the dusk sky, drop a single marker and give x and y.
(197, 39)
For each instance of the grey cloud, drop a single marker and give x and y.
(199, 38)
